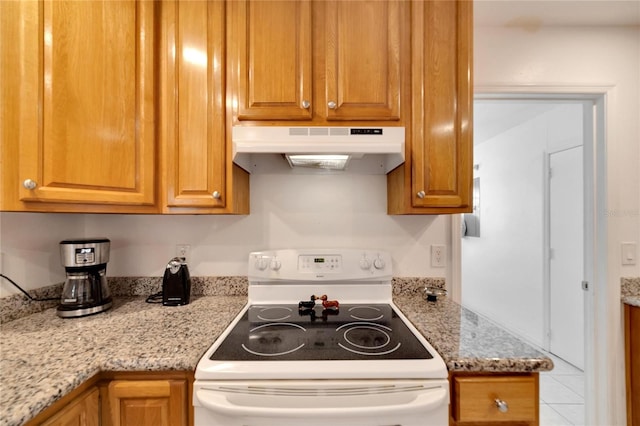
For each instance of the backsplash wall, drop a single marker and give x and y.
(287, 210)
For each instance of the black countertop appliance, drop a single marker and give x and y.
(176, 284)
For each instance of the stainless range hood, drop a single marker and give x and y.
(319, 147)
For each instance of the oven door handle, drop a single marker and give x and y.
(423, 402)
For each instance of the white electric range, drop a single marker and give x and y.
(319, 341)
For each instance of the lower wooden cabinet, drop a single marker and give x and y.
(157, 402)
(83, 410)
(489, 399)
(125, 399)
(632, 358)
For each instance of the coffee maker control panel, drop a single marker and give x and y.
(84, 252)
(85, 255)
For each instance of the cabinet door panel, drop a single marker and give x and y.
(93, 138)
(148, 402)
(363, 68)
(270, 59)
(195, 132)
(84, 411)
(441, 142)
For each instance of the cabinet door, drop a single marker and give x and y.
(192, 107)
(441, 142)
(437, 176)
(269, 60)
(148, 402)
(86, 102)
(632, 360)
(84, 411)
(363, 59)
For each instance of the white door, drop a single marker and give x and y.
(566, 256)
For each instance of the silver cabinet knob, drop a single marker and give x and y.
(421, 194)
(216, 195)
(332, 105)
(503, 407)
(29, 184)
(306, 104)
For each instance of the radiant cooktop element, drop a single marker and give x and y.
(352, 332)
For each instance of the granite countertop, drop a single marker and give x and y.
(630, 291)
(469, 342)
(43, 357)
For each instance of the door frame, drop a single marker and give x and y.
(602, 405)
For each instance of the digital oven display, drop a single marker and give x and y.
(324, 263)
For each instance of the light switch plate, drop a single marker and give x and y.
(629, 253)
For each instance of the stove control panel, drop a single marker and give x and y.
(319, 265)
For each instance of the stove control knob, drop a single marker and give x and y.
(379, 263)
(365, 263)
(261, 263)
(275, 265)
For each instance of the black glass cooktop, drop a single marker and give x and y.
(294, 332)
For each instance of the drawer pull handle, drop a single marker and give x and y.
(503, 407)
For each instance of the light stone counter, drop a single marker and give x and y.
(44, 357)
(630, 291)
(469, 342)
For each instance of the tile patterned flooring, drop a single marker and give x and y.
(561, 395)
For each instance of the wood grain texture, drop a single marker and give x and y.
(363, 45)
(148, 402)
(92, 136)
(270, 53)
(632, 361)
(473, 399)
(83, 411)
(440, 147)
(193, 137)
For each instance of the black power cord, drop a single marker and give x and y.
(27, 294)
(155, 298)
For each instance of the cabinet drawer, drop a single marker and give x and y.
(475, 399)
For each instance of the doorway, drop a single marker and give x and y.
(596, 356)
(521, 249)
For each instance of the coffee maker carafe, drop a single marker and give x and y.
(85, 291)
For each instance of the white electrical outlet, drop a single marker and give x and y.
(438, 256)
(182, 250)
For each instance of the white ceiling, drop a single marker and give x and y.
(494, 117)
(531, 14)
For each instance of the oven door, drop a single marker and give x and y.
(322, 402)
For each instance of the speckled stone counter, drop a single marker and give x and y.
(44, 357)
(467, 341)
(630, 291)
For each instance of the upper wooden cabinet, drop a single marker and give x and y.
(437, 176)
(317, 61)
(197, 175)
(128, 106)
(79, 91)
